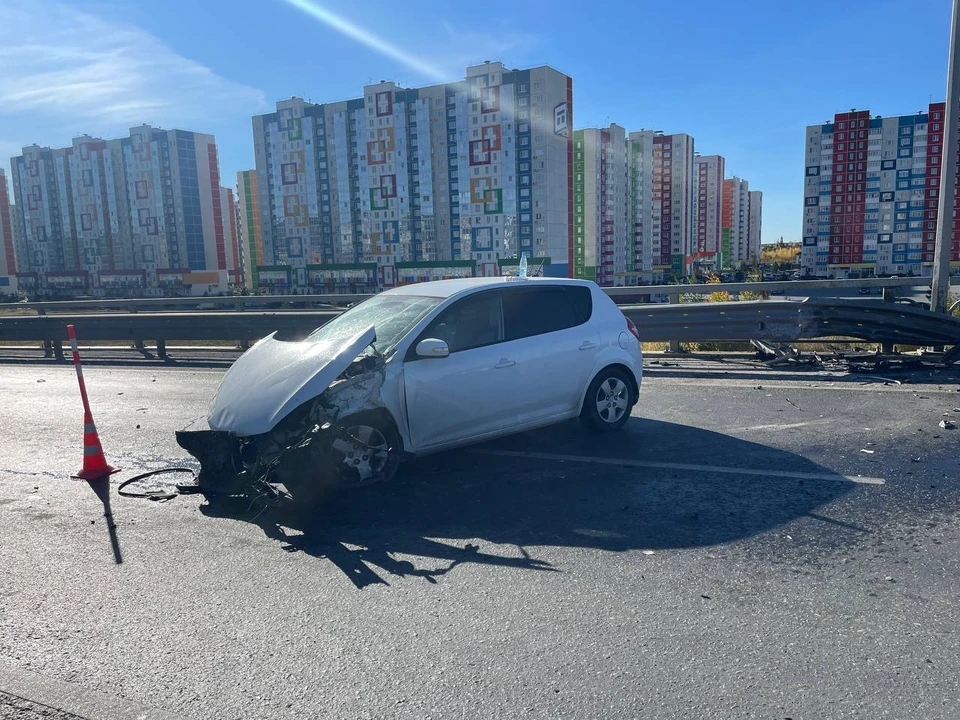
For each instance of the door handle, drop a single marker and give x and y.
(504, 363)
(587, 345)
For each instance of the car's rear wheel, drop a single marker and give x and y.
(367, 450)
(608, 402)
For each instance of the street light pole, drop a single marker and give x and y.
(940, 289)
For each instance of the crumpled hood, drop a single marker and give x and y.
(273, 378)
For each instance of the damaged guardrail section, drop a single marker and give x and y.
(789, 320)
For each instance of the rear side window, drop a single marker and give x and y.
(539, 310)
(582, 302)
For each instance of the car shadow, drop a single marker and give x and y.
(636, 490)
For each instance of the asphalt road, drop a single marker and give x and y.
(734, 554)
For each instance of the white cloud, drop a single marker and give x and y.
(58, 61)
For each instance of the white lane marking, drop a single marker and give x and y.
(684, 466)
(598, 533)
(789, 425)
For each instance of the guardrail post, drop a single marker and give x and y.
(889, 296)
(162, 349)
(674, 299)
(244, 345)
(58, 349)
(47, 345)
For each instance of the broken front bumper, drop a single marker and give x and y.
(222, 471)
(304, 454)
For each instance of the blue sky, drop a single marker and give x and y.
(744, 77)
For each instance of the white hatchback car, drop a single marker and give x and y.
(437, 365)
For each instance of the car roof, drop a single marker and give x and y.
(449, 288)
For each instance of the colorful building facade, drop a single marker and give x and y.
(601, 188)
(137, 215)
(647, 207)
(708, 177)
(735, 221)
(673, 202)
(250, 239)
(476, 172)
(8, 262)
(871, 194)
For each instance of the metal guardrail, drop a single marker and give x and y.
(794, 287)
(205, 304)
(138, 327)
(772, 320)
(241, 302)
(790, 320)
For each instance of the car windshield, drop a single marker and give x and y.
(393, 316)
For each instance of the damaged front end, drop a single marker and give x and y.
(284, 423)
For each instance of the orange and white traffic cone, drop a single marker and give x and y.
(94, 463)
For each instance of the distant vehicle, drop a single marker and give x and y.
(427, 367)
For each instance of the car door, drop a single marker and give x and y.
(460, 396)
(548, 331)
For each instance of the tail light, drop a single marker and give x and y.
(632, 328)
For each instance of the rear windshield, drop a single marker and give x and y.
(393, 316)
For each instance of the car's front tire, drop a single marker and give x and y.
(608, 402)
(369, 449)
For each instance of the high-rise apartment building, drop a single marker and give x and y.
(407, 184)
(250, 239)
(735, 236)
(141, 214)
(640, 207)
(601, 181)
(673, 202)
(871, 194)
(228, 209)
(754, 222)
(47, 243)
(8, 263)
(708, 190)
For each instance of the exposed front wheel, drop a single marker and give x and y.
(608, 401)
(367, 450)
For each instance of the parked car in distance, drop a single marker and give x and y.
(452, 362)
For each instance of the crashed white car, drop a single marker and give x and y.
(424, 368)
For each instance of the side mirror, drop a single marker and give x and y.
(432, 348)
